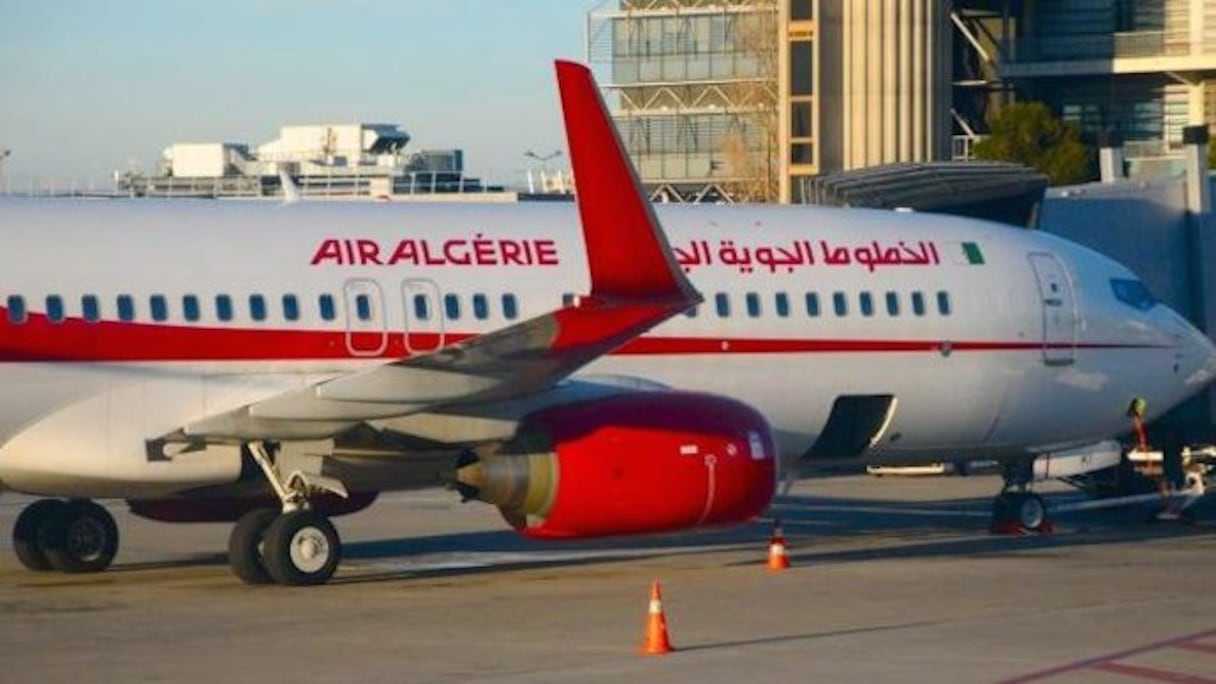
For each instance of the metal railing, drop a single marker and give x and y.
(962, 147)
(1076, 48)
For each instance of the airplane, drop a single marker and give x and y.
(274, 365)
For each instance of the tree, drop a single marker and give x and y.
(1028, 133)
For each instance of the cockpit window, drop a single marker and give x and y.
(1133, 293)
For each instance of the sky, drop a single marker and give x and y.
(88, 87)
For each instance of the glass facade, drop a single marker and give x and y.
(694, 84)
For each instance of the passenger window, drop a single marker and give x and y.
(363, 307)
(422, 307)
(943, 303)
(158, 307)
(867, 304)
(451, 306)
(223, 307)
(722, 304)
(918, 303)
(753, 304)
(54, 308)
(190, 308)
(892, 303)
(257, 307)
(126, 308)
(481, 309)
(325, 306)
(840, 304)
(90, 308)
(16, 309)
(782, 302)
(510, 307)
(291, 308)
(812, 304)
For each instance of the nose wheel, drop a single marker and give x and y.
(1016, 512)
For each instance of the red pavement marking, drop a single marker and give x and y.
(1152, 673)
(1106, 661)
(1199, 648)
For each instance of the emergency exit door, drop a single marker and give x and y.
(423, 315)
(366, 328)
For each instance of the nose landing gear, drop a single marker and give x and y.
(1017, 510)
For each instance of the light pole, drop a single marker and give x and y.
(544, 160)
(4, 155)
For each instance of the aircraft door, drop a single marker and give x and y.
(1059, 309)
(366, 330)
(423, 315)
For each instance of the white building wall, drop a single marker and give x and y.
(897, 66)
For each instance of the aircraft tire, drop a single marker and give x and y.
(25, 534)
(301, 548)
(79, 537)
(1002, 508)
(1031, 511)
(246, 543)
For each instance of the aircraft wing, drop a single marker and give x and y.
(635, 285)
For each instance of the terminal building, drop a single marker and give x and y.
(748, 99)
(798, 101)
(1144, 69)
(329, 160)
(745, 100)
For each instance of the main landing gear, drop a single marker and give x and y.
(69, 536)
(293, 546)
(1017, 510)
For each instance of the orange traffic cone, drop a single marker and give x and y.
(777, 558)
(656, 642)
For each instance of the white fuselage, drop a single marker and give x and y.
(123, 321)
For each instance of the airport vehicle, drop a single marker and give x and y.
(274, 365)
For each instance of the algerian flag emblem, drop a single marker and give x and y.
(967, 254)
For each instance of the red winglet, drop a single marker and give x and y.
(627, 253)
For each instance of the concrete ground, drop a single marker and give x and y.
(893, 580)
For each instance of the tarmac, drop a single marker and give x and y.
(892, 580)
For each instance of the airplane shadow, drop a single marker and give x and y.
(909, 529)
(197, 560)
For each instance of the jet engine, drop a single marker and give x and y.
(628, 464)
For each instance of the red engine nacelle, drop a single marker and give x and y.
(630, 464)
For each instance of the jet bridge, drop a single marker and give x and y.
(996, 191)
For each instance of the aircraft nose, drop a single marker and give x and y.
(1200, 359)
(1206, 372)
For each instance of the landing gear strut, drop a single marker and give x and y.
(295, 546)
(1016, 509)
(68, 536)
